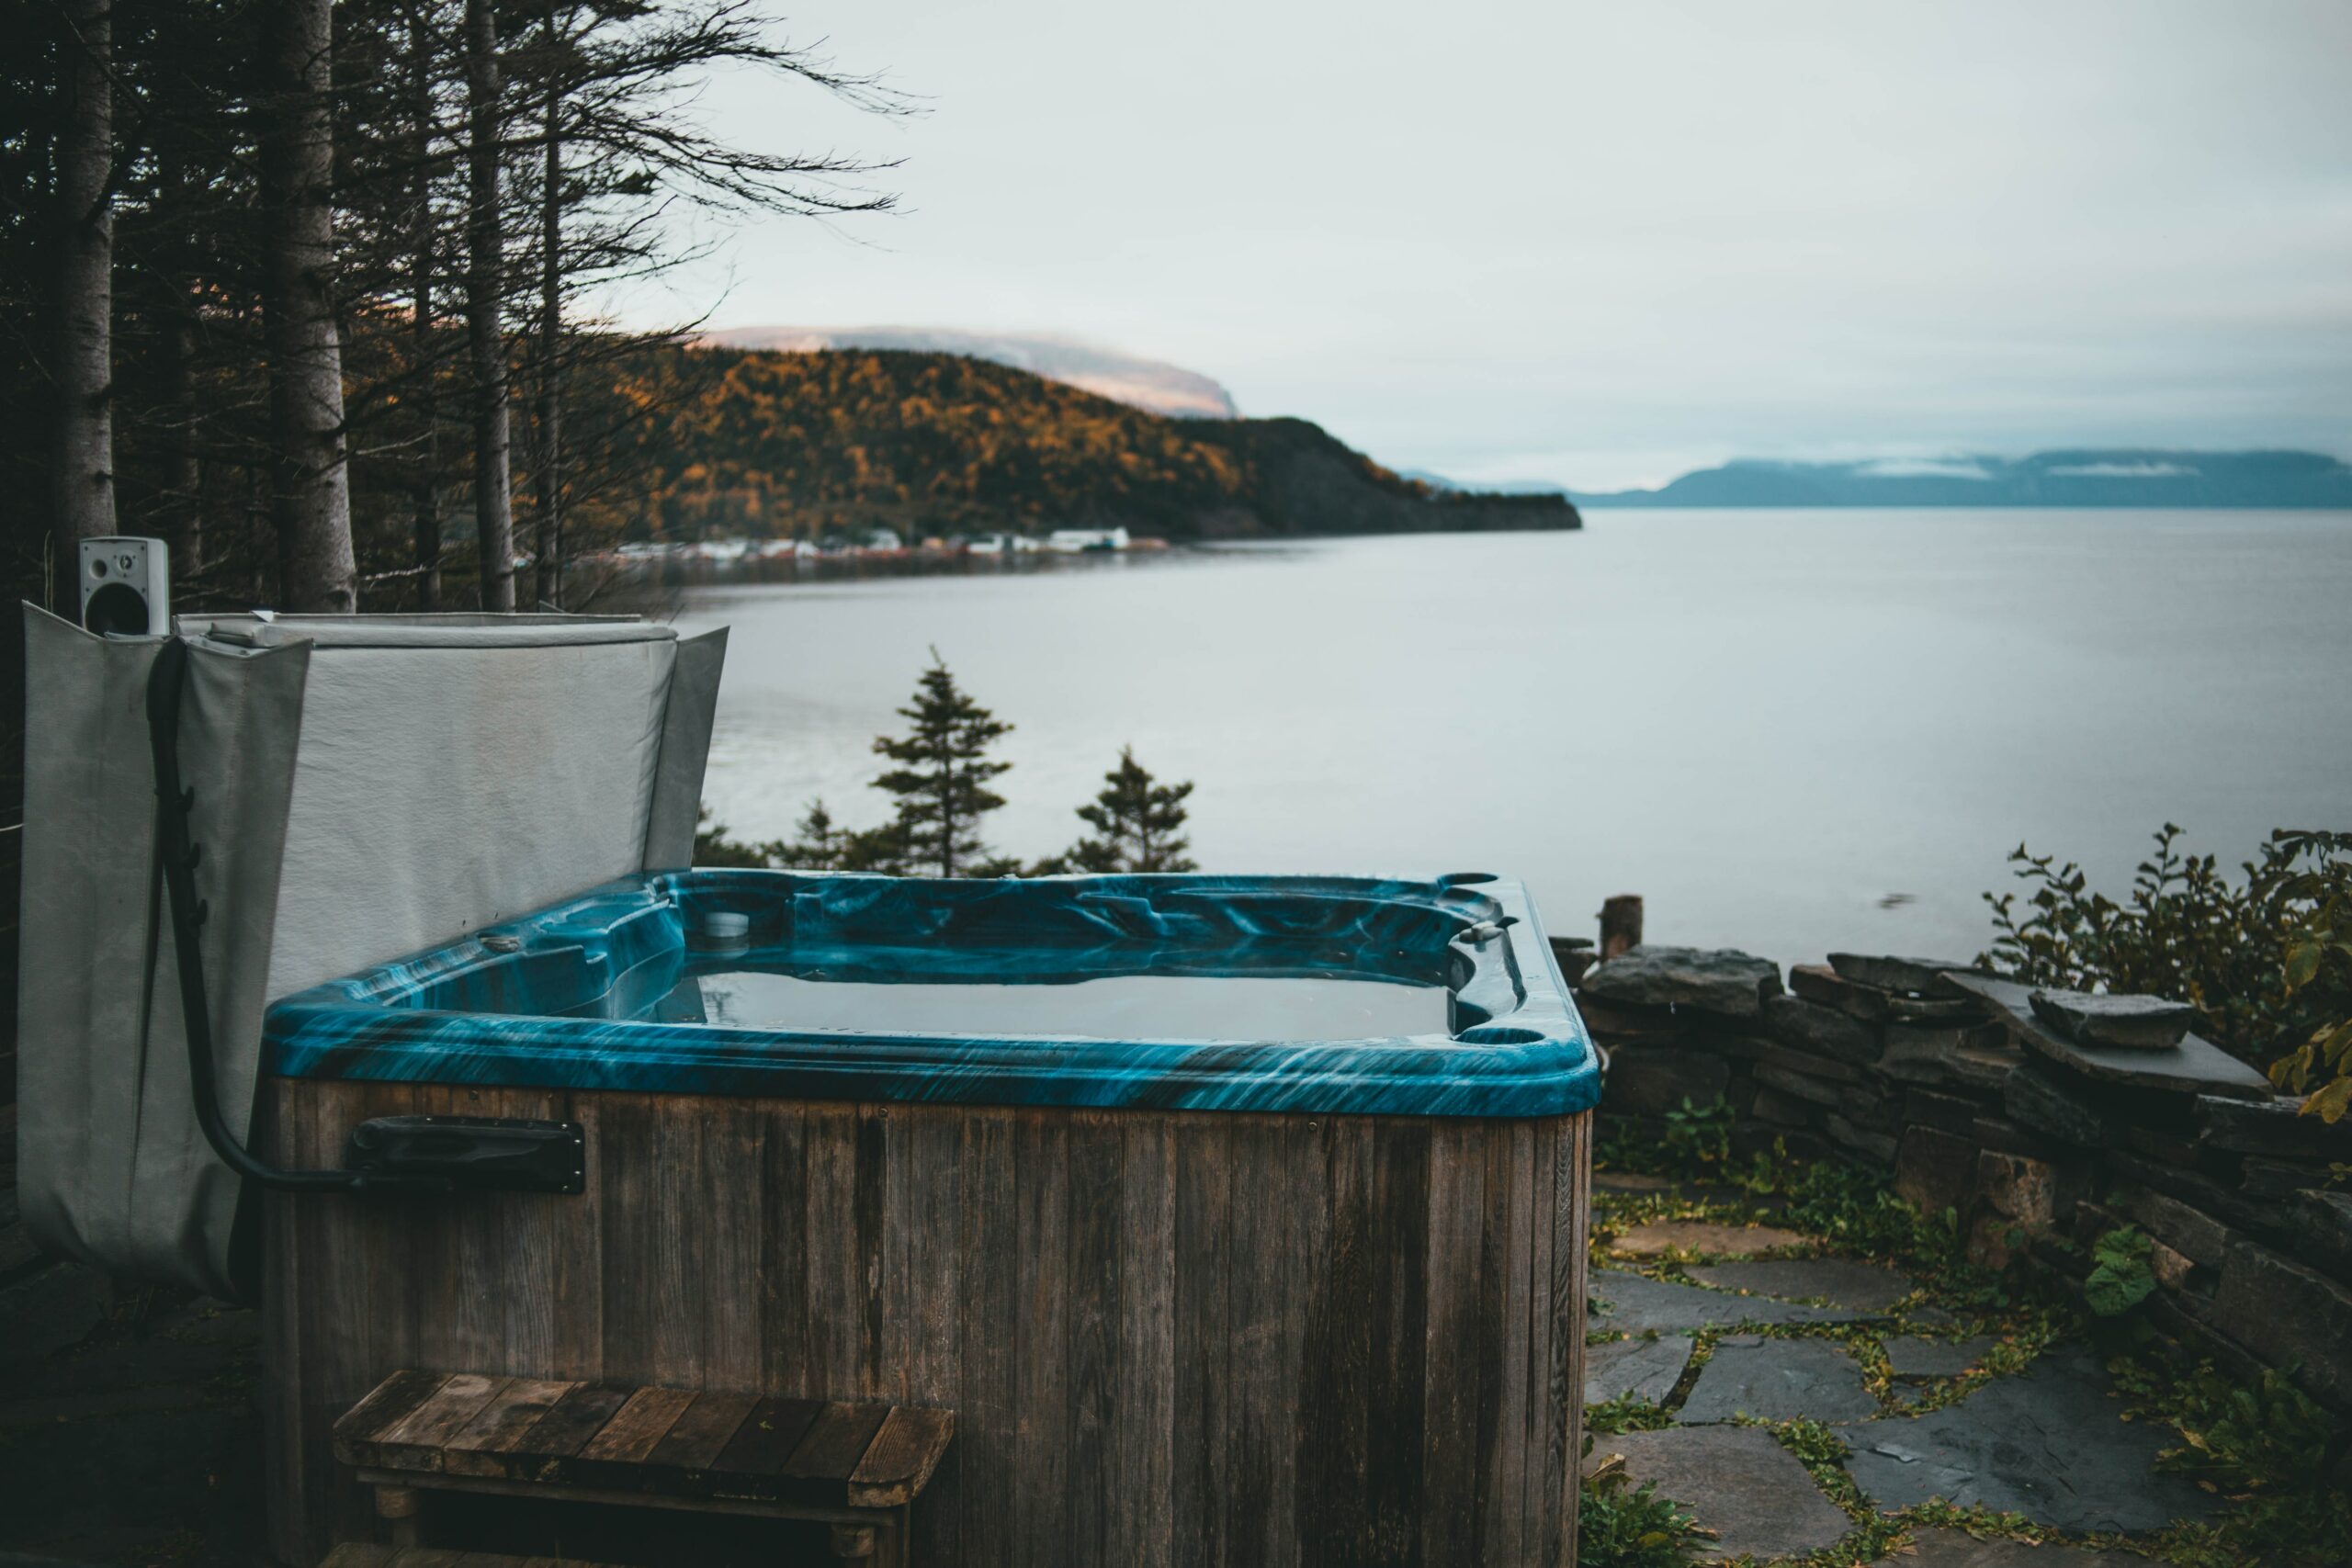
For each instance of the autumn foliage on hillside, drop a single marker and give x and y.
(744, 443)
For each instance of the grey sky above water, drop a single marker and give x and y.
(1603, 244)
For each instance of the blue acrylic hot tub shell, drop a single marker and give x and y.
(555, 999)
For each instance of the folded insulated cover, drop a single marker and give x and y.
(364, 786)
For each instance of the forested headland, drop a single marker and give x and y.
(762, 444)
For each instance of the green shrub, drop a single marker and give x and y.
(2121, 1277)
(1619, 1526)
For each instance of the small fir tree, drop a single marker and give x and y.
(820, 842)
(1140, 822)
(942, 780)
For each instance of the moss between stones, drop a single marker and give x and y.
(2279, 1512)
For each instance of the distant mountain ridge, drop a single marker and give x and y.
(751, 444)
(2070, 476)
(1128, 379)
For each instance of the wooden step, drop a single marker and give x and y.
(654, 1442)
(354, 1555)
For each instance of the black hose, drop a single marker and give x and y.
(177, 851)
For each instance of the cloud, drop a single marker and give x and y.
(2148, 470)
(1923, 468)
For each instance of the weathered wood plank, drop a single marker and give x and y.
(1203, 1324)
(1141, 1441)
(575, 1418)
(415, 1441)
(388, 1404)
(641, 1422)
(987, 1403)
(835, 1442)
(898, 1462)
(703, 1431)
(1453, 1270)
(1041, 1446)
(1091, 1280)
(766, 1437)
(1569, 1286)
(1396, 1395)
(502, 1427)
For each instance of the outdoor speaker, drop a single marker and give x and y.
(126, 587)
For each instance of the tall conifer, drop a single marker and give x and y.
(1140, 819)
(942, 779)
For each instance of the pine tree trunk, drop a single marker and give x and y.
(176, 309)
(82, 471)
(184, 460)
(494, 495)
(425, 489)
(310, 488)
(550, 522)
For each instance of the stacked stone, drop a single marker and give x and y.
(2251, 1238)
(2034, 1117)
(1680, 1025)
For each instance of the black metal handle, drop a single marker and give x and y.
(513, 1155)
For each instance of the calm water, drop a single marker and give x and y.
(1791, 731)
(1125, 1007)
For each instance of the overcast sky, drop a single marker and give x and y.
(1599, 244)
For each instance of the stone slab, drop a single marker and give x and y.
(1716, 980)
(1821, 1031)
(2283, 1312)
(2050, 1444)
(2274, 1128)
(1738, 1482)
(1777, 1379)
(1637, 1367)
(1649, 1079)
(1662, 1237)
(2133, 1022)
(2196, 1066)
(2035, 1098)
(1888, 972)
(1958, 1549)
(1634, 1302)
(1819, 983)
(1840, 1281)
(1915, 1356)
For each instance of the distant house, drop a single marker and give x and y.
(1072, 541)
(884, 540)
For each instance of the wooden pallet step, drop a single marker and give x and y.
(669, 1441)
(354, 1555)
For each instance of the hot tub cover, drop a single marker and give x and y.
(364, 786)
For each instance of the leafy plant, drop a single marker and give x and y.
(1621, 1526)
(1698, 1137)
(2319, 965)
(2267, 962)
(2120, 1277)
(2261, 1444)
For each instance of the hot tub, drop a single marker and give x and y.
(1241, 1219)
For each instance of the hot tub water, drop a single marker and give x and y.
(1127, 1007)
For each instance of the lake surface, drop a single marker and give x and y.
(1791, 731)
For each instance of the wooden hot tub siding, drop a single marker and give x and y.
(1171, 1338)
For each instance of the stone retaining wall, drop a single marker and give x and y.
(1949, 1079)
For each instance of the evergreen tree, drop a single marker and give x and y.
(1140, 820)
(942, 782)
